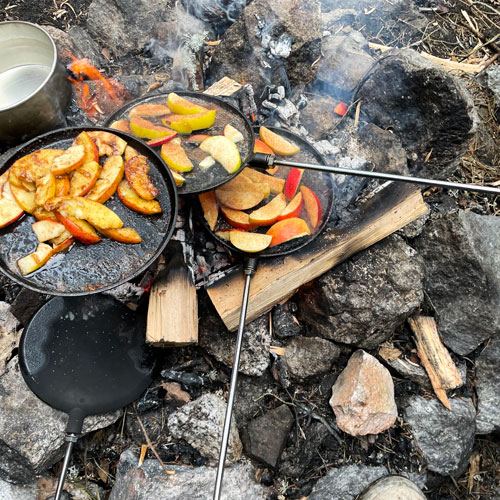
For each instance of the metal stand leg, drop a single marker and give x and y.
(71, 438)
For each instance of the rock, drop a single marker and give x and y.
(462, 277)
(445, 438)
(32, 433)
(10, 491)
(427, 108)
(200, 424)
(27, 304)
(285, 323)
(393, 488)
(346, 483)
(176, 394)
(86, 46)
(9, 335)
(488, 388)
(318, 116)
(248, 400)
(365, 299)
(493, 82)
(244, 52)
(194, 483)
(64, 44)
(345, 60)
(220, 343)
(265, 437)
(309, 356)
(363, 396)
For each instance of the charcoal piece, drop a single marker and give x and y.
(285, 324)
(185, 378)
(152, 399)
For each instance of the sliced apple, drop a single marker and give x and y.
(46, 230)
(72, 158)
(65, 235)
(3, 179)
(123, 235)
(237, 218)
(84, 178)
(64, 245)
(35, 260)
(129, 153)
(41, 214)
(262, 147)
(232, 133)
(241, 193)
(197, 138)
(10, 210)
(131, 200)
(224, 233)
(269, 213)
(182, 106)
(185, 124)
(207, 162)
(292, 182)
(45, 189)
(175, 157)
(109, 178)
(178, 179)
(293, 209)
(210, 208)
(313, 206)
(275, 183)
(149, 110)
(288, 229)
(136, 172)
(277, 143)
(79, 229)
(91, 150)
(161, 140)
(122, 126)
(63, 185)
(25, 199)
(224, 151)
(249, 242)
(148, 130)
(108, 144)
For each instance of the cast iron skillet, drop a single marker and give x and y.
(198, 180)
(85, 356)
(322, 185)
(88, 269)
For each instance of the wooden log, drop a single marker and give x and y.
(435, 358)
(224, 87)
(389, 210)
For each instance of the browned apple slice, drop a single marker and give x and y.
(84, 178)
(62, 185)
(131, 200)
(288, 229)
(150, 110)
(79, 229)
(269, 213)
(67, 162)
(45, 189)
(123, 235)
(10, 210)
(41, 214)
(3, 179)
(89, 146)
(136, 172)
(46, 230)
(249, 242)
(64, 245)
(241, 193)
(65, 235)
(210, 208)
(25, 171)
(107, 143)
(109, 178)
(237, 218)
(129, 153)
(122, 125)
(25, 199)
(35, 260)
(275, 183)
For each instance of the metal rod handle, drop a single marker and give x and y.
(71, 438)
(249, 271)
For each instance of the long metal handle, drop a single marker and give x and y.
(249, 271)
(71, 438)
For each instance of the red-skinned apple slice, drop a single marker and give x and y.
(63, 185)
(71, 159)
(80, 229)
(293, 209)
(150, 110)
(197, 138)
(249, 242)
(46, 230)
(131, 200)
(136, 172)
(10, 211)
(123, 235)
(292, 182)
(107, 143)
(288, 229)
(262, 147)
(269, 213)
(64, 245)
(84, 178)
(91, 151)
(109, 178)
(210, 208)
(237, 218)
(35, 260)
(312, 204)
(161, 140)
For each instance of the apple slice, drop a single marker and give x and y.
(210, 208)
(3, 179)
(288, 229)
(80, 229)
(64, 245)
(240, 193)
(131, 200)
(84, 178)
(41, 214)
(224, 233)
(185, 124)
(293, 209)
(109, 178)
(182, 106)
(262, 147)
(313, 206)
(63, 185)
(224, 151)
(249, 242)
(122, 126)
(129, 153)
(161, 140)
(148, 130)
(178, 179)
(10, 210)
(46, 230)
(277, 143)
(269, 213)
(72, 158)
(232, 133)
(237, 218)
(149, 110)
(136, 172)
(45, 189)
(65, 235)
(107, 143)
(175, 157)
(292, 182)
(35, 260)
(25, 199)
(197, 138)
(207, 162)
(275, 183)
(91, 151)
(123, 235)
(28, 169)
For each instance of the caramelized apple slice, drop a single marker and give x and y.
(64, 245)
(79, 229)
(41, 214)
(10, 210)
(25, 199)
(91, 151)
(175, 157)
(84, 178)
(107, 143)
(129, 153)
(35, 260)
(131, 200)
(210, 208)
(45, 189)
(249, 242)
(65, 235)
(46, 230)
(72, 158)
(63, 185)
(277, 143)
(136, 172)
(109, 178)
(288, 229)
(123, 235)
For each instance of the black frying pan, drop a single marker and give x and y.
(85, 356)
(199, 180)
(88, 269)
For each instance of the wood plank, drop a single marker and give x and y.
(224, 87)
(389, 210)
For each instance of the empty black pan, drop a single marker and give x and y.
(94, 268)
(85, 356)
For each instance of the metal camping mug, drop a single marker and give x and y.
(34, 88)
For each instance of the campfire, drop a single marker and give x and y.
(370, 346)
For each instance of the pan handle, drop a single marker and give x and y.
(262, 160)
(249, 271)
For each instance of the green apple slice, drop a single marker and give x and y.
(224, 151)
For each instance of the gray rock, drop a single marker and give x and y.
(309, 356)
(426, 107)
(10, 491)
(285, 323)
(32, 433)
(365, 299)
(345, 60)
(445, 438)
(9, 334)
(318, 116)
(265, 437)
(220, 343)
(393, 487)
(346, 483)
(462, 277)
(86, 46)
(194, 483)
(493, 82)
(488, 388)
(200, 423)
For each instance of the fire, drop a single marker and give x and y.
(100, 97)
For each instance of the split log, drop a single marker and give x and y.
(389, 210)
(435, 358)
(224, 87)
